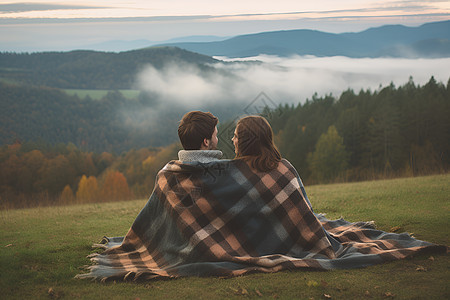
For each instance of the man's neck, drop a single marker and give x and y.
(199, 155)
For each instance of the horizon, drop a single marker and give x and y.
(42, 25)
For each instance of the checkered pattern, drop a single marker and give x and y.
(224, 219)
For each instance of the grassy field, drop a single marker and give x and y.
(98, 94)
(42, 249)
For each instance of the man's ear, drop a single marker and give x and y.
(206, 142)
(204, 145)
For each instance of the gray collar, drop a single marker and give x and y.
(203, 156)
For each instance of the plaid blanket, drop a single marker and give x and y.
(224, 219)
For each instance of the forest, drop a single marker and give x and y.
(114, 123)
(50, 115)
(390, 132)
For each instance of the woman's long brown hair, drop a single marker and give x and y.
(255, 143)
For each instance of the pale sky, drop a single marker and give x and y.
(66, 25)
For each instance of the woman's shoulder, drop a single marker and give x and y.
(286, 163)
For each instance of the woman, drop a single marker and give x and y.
(253, 143)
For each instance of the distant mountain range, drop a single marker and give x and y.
(431, 40)
(123, 45)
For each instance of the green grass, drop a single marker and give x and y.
(98, 94)
(44, 248)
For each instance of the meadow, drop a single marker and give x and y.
(42, 249)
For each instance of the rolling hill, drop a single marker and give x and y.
(84, 69)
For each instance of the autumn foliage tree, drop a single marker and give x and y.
(88, 190)
(67, 195)
(115, 187)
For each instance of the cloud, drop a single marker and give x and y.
(296, 78)
(188, 85)
(25, 7)
(284, 80)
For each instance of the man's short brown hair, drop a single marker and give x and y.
(195, 126)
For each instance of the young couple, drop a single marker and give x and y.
(217, 217)
(252, 140)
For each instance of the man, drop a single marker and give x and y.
(198, 135)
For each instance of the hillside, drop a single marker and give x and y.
(91, 69)
(391, 41)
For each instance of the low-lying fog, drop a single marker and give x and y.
(285, 80)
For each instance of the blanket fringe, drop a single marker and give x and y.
(366, 224)
(128, 275)
(92, 255)
(102, 246)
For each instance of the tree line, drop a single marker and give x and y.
(33, 174)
